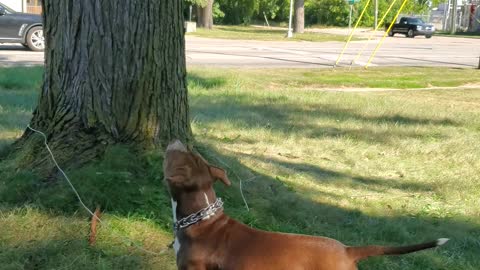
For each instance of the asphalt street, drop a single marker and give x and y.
(396, 51)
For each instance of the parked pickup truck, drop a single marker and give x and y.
(411, 27)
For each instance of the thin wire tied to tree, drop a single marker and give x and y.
(126, 239)
(239, 180)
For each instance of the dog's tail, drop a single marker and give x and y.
(358, 253)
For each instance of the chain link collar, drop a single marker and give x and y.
(203, 214)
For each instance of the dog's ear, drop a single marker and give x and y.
(220, 174)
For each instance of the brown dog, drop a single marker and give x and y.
(207, 239)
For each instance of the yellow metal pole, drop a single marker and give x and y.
(351, 33)
(371, 35)
(384, 35)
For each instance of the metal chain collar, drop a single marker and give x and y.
(203, 214)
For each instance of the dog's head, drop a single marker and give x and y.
(186, 171)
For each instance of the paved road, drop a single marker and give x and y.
(396, 51)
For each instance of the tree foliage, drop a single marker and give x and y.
(324, 12)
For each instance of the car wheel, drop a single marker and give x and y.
(390, 34)
(428, 36)
(35, 39)
(410, 34)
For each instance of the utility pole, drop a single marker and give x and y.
(290, 32)
(350, 18)
(446, 14)
(376, 14)
(190, 17)
(453, 24)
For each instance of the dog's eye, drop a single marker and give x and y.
(175, 179)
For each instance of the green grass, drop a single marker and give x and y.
(20, 78)
(389, 78)
(266, 34)
(377, 167)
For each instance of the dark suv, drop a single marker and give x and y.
(16, 27)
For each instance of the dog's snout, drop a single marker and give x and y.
(176, 145)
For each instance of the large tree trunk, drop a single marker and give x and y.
(115, 73)
(205, 15)
(299, 25)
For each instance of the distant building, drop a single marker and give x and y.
(27, 6)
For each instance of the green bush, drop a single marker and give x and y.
(324, 12)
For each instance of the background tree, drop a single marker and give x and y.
(115, 73)
(238, 11)
(205, 14)
(276, 10)
(299, 23)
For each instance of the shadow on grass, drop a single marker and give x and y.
(5, 147)
(275, 114)
(330, 177)
(205, 83)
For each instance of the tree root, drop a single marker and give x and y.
(71, 147)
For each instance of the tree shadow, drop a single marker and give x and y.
(329, 177)
(276, 115)
(204, 82)
(5, 147)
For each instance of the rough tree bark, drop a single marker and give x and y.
(299, 24)
(205, 15)
(115, 73)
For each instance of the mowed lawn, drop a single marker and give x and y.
(263, 33)
(342, 154)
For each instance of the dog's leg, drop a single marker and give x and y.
(176, 243)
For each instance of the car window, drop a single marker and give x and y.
(415, 21)
(7, 9)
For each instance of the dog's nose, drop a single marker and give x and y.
(176, 145)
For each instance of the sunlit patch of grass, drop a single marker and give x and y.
(37, 238)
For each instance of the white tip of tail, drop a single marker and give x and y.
(442, 241)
